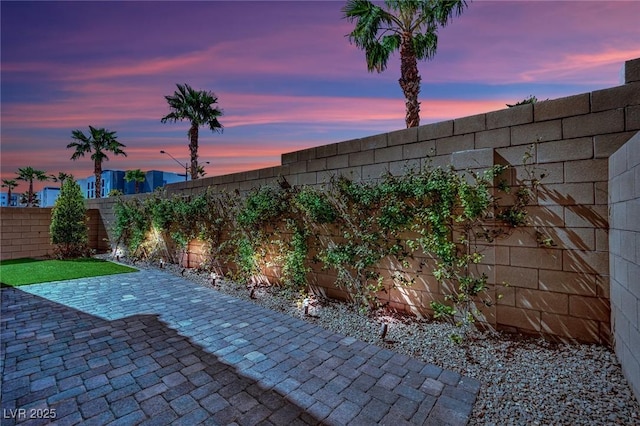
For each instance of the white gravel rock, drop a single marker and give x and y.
(525, 381)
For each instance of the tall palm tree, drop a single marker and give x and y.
(10, 184)
(98, 142)
(29, 174)
(196, 106)
(137, 175)
(408, 25)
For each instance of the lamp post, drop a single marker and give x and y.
(185, 165)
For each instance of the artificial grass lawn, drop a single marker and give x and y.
(31, 271)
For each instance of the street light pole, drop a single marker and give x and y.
(185, 165)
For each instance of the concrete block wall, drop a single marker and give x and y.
(98, 236)
(624, 255)
(102, 211)
(24, 232)
(560, 289)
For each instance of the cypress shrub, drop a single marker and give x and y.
(68, 228)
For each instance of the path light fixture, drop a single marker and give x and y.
(383, 331)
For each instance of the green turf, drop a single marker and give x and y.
(30, 271)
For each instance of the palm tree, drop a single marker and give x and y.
(29, 199)
(137, 175)
(61, 177)
(29, 174)
(99, 142)
(10, 184)
(196, 106)
(408, 25)
(201, 171)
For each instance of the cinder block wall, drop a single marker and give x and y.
(559, 290)
(624, 255)
(97, 233)
(24, 232)
(102, 213)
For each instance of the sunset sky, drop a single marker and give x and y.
(284, 73)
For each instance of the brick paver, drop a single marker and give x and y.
(152, 348)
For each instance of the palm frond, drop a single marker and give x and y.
(369, 19)
(42, 176)
(98, 141)
(196, 106)
(391, 42)
(357, 8)
(378, 53)
(425, 44)
(447, 9)
(437, 12)
(29, 174)
(370, 33)
(81, 144)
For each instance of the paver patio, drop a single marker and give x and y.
(151, 348)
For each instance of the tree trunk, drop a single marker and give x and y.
(193, 148)
(97, 171)
(9, 196)
(31, 196)
(410, 80)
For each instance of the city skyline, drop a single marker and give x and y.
(286, 76)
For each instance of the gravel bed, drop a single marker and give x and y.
(526, 380)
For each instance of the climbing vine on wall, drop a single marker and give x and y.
(350, 227)
(153, 227)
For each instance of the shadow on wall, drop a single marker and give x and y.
(585, 268)
(130, 369)
(558, 262)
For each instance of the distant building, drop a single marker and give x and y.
(114, 179)
(4, 201)
(158, 178)
(111, 179)
(48, 196)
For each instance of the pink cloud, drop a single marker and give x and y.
(276, 53)
(544, 42)
(354, 111)
(584, 66)
(111, 110)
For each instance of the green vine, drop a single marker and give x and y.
(441, 215)
(315, 205)
(294, 268)
(132, 223)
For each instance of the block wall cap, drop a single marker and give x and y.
(289, 157)
(442, 129)
(562, 107)
(473, 123)
(632, 70)
(520, 114)
(616, 97)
